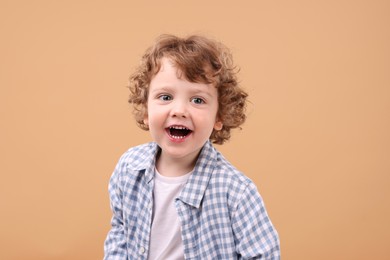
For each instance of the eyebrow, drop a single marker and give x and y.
(198, 91)
(159, 89)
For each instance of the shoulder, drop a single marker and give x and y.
(234, 181)
(136, 157)
(226, 171)
(223, 171)
(229, 186)
(134, 160)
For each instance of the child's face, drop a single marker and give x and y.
(181, 114)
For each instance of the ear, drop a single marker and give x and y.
(146, 120)
(218, 125)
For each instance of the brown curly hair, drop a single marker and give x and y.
(200, 60)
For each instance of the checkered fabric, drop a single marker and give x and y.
(222, 214)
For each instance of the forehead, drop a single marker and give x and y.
(167, 69)
(170, 76)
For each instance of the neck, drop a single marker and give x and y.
(174, 167)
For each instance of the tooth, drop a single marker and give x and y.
(177, 127)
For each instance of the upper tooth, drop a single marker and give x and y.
(178, 127)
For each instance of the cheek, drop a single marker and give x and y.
(155, 117)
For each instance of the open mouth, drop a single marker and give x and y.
(178, 132)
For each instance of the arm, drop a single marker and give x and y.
(115, 244)
(255, 236)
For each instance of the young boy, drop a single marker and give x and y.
(178, 197)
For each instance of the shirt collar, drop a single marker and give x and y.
(196, 185)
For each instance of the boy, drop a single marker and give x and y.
(177, 197)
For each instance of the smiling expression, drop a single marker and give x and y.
(181, 114)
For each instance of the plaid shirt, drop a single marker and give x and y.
(221, 213)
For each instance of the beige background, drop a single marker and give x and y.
(316, 142)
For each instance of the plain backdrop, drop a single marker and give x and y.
(316, 141)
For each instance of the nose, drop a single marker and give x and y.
(179, 109)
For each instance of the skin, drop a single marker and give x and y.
(175, 102)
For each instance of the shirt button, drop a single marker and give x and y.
(141, 250)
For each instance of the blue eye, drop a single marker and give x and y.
(198, 101)
(165, 97)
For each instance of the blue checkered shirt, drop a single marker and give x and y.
(221, 213)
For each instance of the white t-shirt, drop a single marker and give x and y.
(165, 238)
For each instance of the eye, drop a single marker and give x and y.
(165, 97)
(197, 101)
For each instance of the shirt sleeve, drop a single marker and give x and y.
(255, 236)
(115, 244)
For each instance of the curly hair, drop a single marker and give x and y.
(200, 60)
